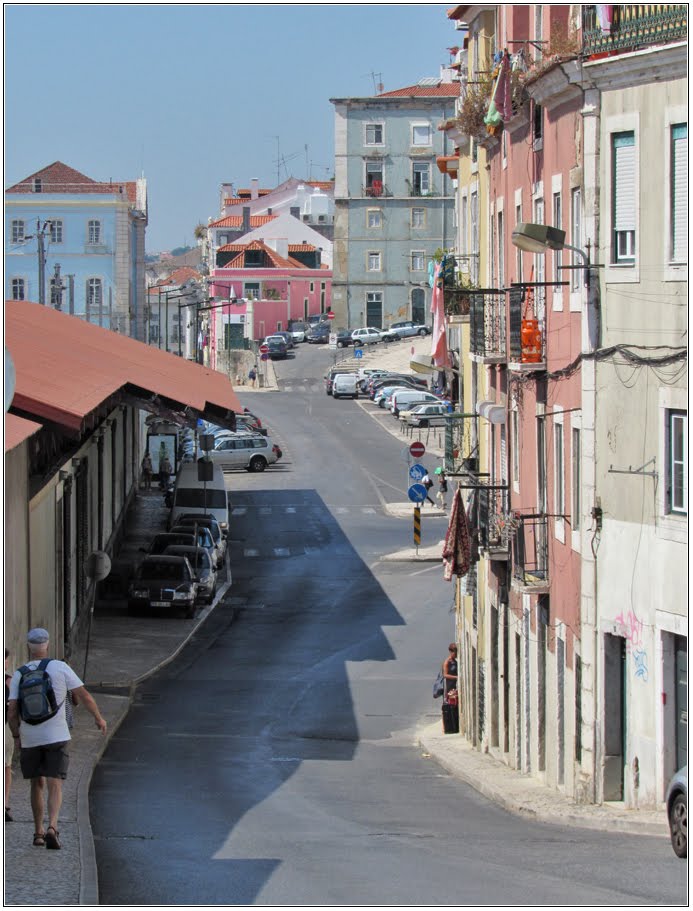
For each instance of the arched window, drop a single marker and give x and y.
(94, 298)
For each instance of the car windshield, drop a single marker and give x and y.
(162, 570)
(199, 558)
(213, 527)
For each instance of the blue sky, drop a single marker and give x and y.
(193, 96)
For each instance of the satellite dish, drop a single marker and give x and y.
(10, 380)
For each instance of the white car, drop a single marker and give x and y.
(251, 451)
(430, 414)
(367, 336)
(406, 399)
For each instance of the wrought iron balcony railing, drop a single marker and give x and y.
(632, 26)
(487, 325)
(496, 523)
(527, 330)
(461, 443)
(530, 551)
(457, 301)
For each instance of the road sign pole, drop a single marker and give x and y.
(417, 528)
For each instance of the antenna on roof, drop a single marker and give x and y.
(377, 86)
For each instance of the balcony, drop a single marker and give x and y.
(527, 330)
(530, 553)
(496, 524)
(376, 189)
(487, 326)
(457, 304)
(461, 444)
(633, 26)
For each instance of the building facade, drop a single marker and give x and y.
(77, 244)
(393, 207)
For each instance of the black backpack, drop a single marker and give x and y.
(37, 702)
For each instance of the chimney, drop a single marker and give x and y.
(246, 220)
(269, 210)
(280, 245)
(253, 187)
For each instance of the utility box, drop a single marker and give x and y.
(206, 442)
(205, 470)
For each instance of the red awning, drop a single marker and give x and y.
(66, 368)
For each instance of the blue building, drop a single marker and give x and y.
(77, 244)
(394, 202)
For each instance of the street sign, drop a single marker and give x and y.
(417, 493)
(358, 352)
(417, 526)
(264, 357)
(417, 449)
(330, 315)
(264, 349)
(416, 472)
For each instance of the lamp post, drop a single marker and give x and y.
(41, 231)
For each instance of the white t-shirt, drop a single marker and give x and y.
(55, 730)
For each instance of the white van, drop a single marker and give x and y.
(194, 496)
(404, 399)
(345, 384)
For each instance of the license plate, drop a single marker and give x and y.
(160, 603)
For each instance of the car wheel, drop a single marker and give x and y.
(340, 344)
(678, 826)
(357, 343)
(423, 332)
(257, 463)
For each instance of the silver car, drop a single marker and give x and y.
(677, 812)
(251, 451)
(202, 567)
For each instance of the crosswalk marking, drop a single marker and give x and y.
(239, 510)
(282, 552)
(251, 552)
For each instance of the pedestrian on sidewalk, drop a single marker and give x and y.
(147, 469)
(9, 744)
(427, 482)
(165, 470)
(451, 716)
(252, 376)
(441, 496)
(43, 746)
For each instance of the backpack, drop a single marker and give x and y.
(37, 702)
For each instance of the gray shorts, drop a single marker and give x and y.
(48, 761)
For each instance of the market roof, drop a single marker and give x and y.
(67, 370)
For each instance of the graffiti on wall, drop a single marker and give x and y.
(632, 629)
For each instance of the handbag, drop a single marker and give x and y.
(439, 685)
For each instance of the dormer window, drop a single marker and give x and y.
(253, 259)
(37, 185)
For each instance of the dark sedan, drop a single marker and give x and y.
(277, 349)
(164, 582)
(344, 338)
(318, 335)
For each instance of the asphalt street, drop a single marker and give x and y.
(275, 760)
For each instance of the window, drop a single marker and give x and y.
(418, 260)
(421, 178)
(251, 290)
(464, 227)
(541, 464)
(94, 297)
(374, 308)
(17, 231)
(373, 261)
(501, 252)
(677, 462)
(374, 218)
(418, 218)
(421, 134)
(623, 197)
(37, 185)
(374, 134)
(56, 232)
(557, 223)
(559, 469)
(18, 288)
(312, 287)
(576, 235)
(515, 443)
(474, 217)
(374, 178)
(153, 332)
(254, 259)
(518, 252)
(538, 127)
(93, 231)
(539, 264)
(576, 504)
(679, 193)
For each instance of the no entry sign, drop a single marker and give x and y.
(417, 449)
(264, 349)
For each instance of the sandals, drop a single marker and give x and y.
(39, 839)
(52, 838)
(8, 815)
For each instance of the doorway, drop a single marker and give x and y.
(614, 716)
(681, 653)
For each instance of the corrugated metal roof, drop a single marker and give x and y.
(66, 368)
(17, 430)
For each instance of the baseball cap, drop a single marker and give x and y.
(37, 636)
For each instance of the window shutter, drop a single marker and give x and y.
(624, 182)
(679, 193)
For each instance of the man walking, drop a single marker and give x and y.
(43, 757)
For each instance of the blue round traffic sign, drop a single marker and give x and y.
(264, 357)
(417, 493)
(416, 472)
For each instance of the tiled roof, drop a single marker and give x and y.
(67, 368)
(178, 277)
(298, 248)
(59, 178)
(236, 221)
(277, 261)
(444, 90)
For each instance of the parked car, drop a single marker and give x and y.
(298, 330)
(210, 522)
(251, 451)
(193, 496)
(288, 338)
(202, 566)
(406, 398)
(430, 414)
(404, 329)
(203, 538)
(165, 539)
(396, 381)
(318, 335)
(383, 394)
(316, 318)
(344, 384)
(277, 348)
(344, 338)
(332, 372)
(677, 811)
(163, 581)
(367, 336)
